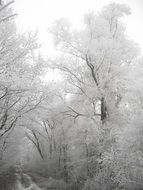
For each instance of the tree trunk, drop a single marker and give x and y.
(87, 157)
(65, 163)
(103, 110)
(51, 150)
(60, 158)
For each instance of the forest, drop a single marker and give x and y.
(83, 130)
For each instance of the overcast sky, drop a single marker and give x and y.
(40, 14)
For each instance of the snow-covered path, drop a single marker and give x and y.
(24, 182)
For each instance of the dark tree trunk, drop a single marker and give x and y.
(65, 163)
(103, 110)
(51, 150)
(87, 157)
(60, 158)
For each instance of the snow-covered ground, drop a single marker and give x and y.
(27, 181)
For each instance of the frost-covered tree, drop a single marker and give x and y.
(20, 87)
(97, 55)
(95, 61)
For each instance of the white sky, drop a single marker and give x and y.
(34, 14)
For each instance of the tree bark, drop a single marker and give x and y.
(103, 110)
(65, 163)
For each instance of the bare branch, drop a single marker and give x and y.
(37, 143)
(3, 7)
(4, 94)
(73, 113)
(101, 63)
(91, 66)
(12, 125)
(7, 18)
